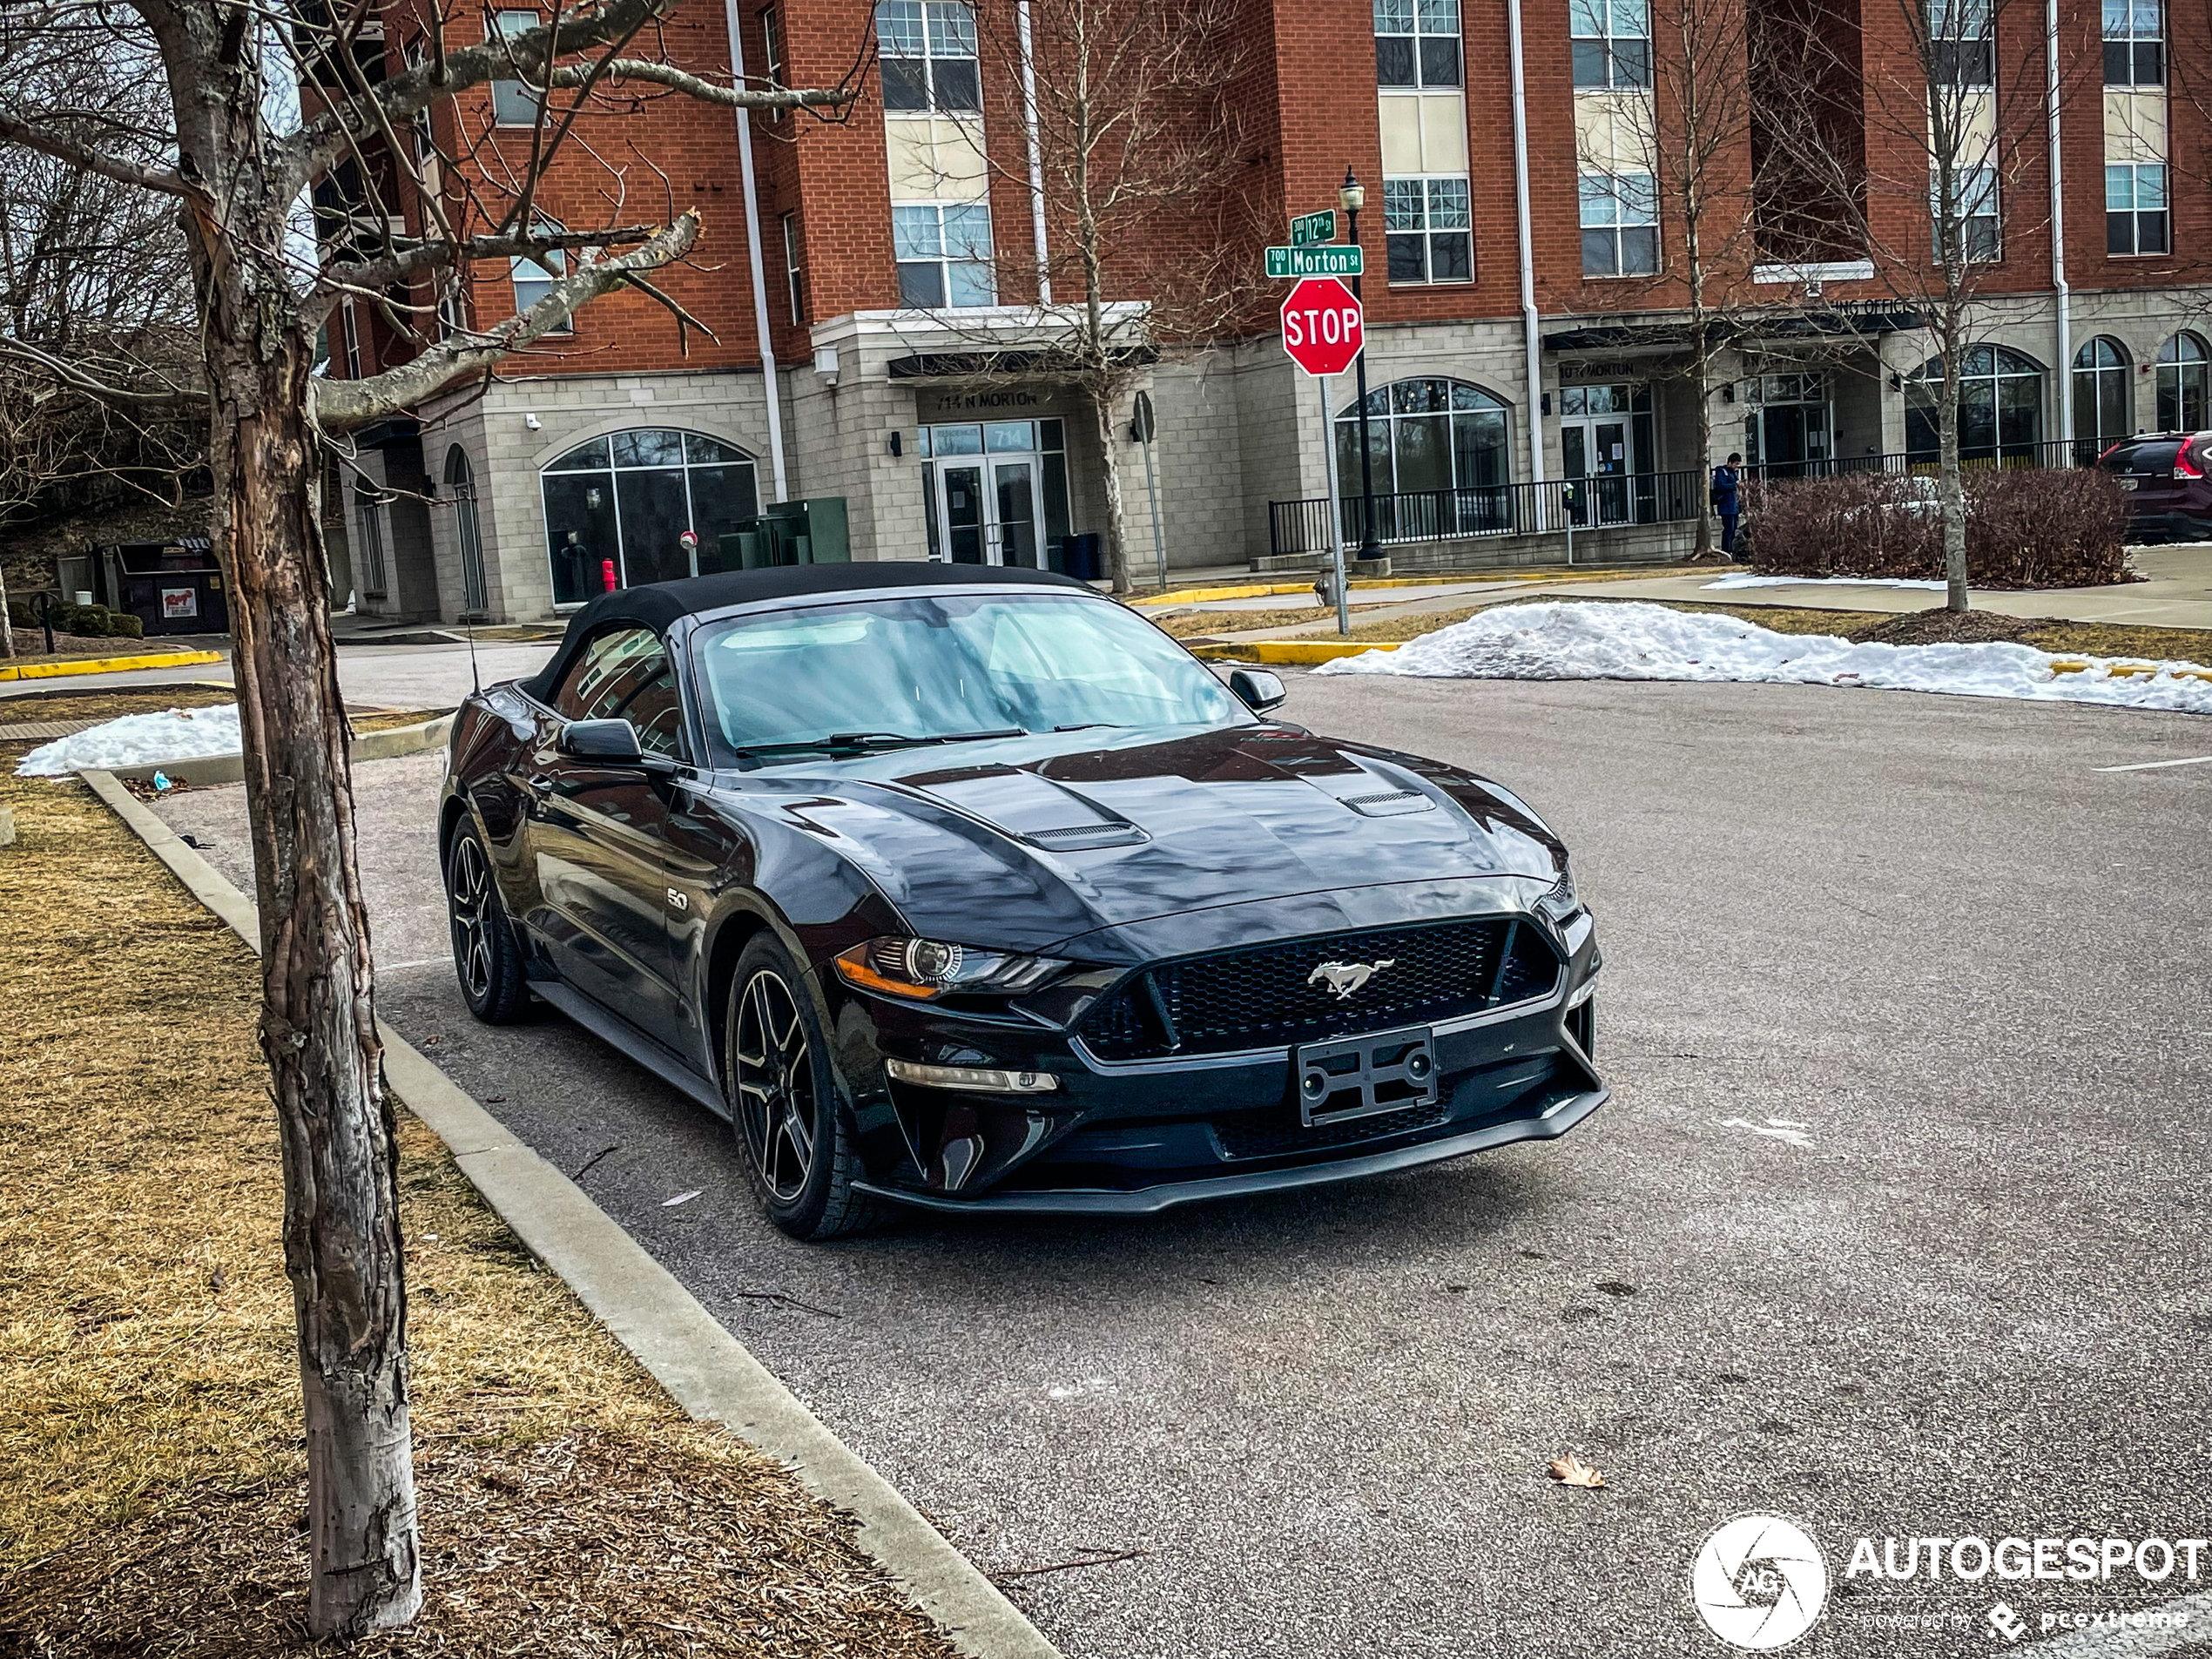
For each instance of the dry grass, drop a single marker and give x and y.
(388, 721)
(106, 705)
(2085, 638)
(1195, 624)
(151, 1470)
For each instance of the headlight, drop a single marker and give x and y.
(924, 969)
(1559, 901)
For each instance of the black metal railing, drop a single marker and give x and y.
(1612, 501)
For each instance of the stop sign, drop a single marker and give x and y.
(1322, 328)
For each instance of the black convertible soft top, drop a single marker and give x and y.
(658, 603)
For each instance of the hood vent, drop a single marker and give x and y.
(1077, 837)
(1393, 803)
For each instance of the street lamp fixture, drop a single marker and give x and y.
(1352, 195)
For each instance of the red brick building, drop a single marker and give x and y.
(1523, 166)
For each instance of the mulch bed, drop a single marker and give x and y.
(151, 1476)
(1942, 627)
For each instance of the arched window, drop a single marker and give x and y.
(461, 483)
(2181, 384)
(629, 496)
(1443, 443)
(2000, 406)
(2104, 399)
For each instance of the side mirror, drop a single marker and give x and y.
(612, 741)
(1257, 689)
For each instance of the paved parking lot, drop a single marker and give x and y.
(1897, 1223)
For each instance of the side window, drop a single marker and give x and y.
(625, 675)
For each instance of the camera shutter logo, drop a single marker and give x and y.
(1759, 1582)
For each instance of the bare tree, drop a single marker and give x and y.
(1702, 131)
(1113, 118)
(93, 278)
(1947, 122)
(263, 105)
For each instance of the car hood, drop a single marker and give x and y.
(1025, 843)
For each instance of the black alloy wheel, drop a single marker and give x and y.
(486, 957)
(791, 1121)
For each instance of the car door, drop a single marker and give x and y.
(598, 835)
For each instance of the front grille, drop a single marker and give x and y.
(1278, 1139)
(1269, 997)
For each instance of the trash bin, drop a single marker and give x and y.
(1080, 557)
(172, 587)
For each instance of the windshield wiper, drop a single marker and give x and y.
(863, 742)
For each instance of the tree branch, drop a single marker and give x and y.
(374, 276)
(15, 130)
(339, 405)
(639, 69)
(69, 374)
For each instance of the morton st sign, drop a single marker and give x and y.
(1322, 326)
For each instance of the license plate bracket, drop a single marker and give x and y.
(1383, 1071)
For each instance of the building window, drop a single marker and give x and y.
(1961, 50)
(1974, 222)
(792, 273)
(461, 486)
(629, 497)
(368, 514)
(772, 36)
(349, 331)
(533, 275)
(514, 103)
(1417, 42)
(944, 255)
(1620, 224)
(1612, 41)
(453, 305)
(2135, 218)
(2182, 385)
(2000, 406)
(926, 56)
(1440, 451)
(2103, 396)
(2135, 44)
(1428, 230)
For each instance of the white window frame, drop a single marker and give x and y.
(1619, 195)
(2124, 200)
(538, 273)
(771, 54)
(349, 335)
(940, 29)
(794, 271)
(2124, 31)
(1962, 42)
(514, 103)
(1616, 36)
(978, 257)
(1420, 22)
(1979, 223)
(1397, 222)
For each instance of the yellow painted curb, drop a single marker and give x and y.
(1294, 650)
(1442, 579)
(2133, 670)
(108, 665)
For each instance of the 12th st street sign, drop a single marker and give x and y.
(1322, 326)
(1308, 228)
(1314, 262)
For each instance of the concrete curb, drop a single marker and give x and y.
(108, 665)
(708, 1372)
(1293, 651)
(229, 769)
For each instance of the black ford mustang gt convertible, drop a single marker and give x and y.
(970, 889)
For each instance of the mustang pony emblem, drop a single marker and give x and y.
(1345, 978)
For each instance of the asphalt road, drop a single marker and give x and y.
(1960, 1287)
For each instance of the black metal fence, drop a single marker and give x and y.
(1610, 502)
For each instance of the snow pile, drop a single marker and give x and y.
(1824, 582)
(138, 741)
(1645, 641)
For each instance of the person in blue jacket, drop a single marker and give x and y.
(1727, 500)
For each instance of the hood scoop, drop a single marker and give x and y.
(1047, 815)
(1394, 803)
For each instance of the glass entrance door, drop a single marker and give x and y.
(988, 510)
(1598, 455)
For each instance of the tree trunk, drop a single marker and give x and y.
(1951, 494)
(341, 1235)
(1104, 398)
(1701, 353)
(7, 627)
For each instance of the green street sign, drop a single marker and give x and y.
(1313, 262)
(1308, 228)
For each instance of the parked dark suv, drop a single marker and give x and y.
(2169, 496)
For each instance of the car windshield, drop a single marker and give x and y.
(879, 672)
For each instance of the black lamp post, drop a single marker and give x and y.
(1353, 197)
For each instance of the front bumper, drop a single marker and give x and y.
(1133, 1138)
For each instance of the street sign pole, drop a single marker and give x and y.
(1152, 488)
(1335, 509)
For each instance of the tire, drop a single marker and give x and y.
(487, 959)
(793, 1126)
